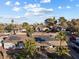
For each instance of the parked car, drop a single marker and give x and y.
(9, 45)
(20, 45)
(74, 42)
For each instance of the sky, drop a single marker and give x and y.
(36, 11)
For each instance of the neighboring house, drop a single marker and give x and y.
(7, 45)
(23, 30)
(44, 29)
(57, 43)
(41, 28)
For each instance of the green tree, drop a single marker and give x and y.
(1, 28)
(25, 24)
(63, 22)
(9, 28)
(50, 21)
(29, 29)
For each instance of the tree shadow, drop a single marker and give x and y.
(56, 56)
(1, 55)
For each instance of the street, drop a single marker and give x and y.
(74, 53)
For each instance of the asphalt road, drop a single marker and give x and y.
(74, 53)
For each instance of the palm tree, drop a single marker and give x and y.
(30, 47)
(28, 52)
(61, 37)
(61, 50)
(12, 22)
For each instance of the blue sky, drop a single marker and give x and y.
(36, 11)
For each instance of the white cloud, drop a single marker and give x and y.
(45, 1)
(60, 7)
(30, 6)
(16, 9)
(36, 9)
(8, 3)
(17, 3)
(77, 5)
(12, 17)
(45, 10)
(31, 14)
(68, 7)
(17, 17)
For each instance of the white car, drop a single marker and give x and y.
(8, 45)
